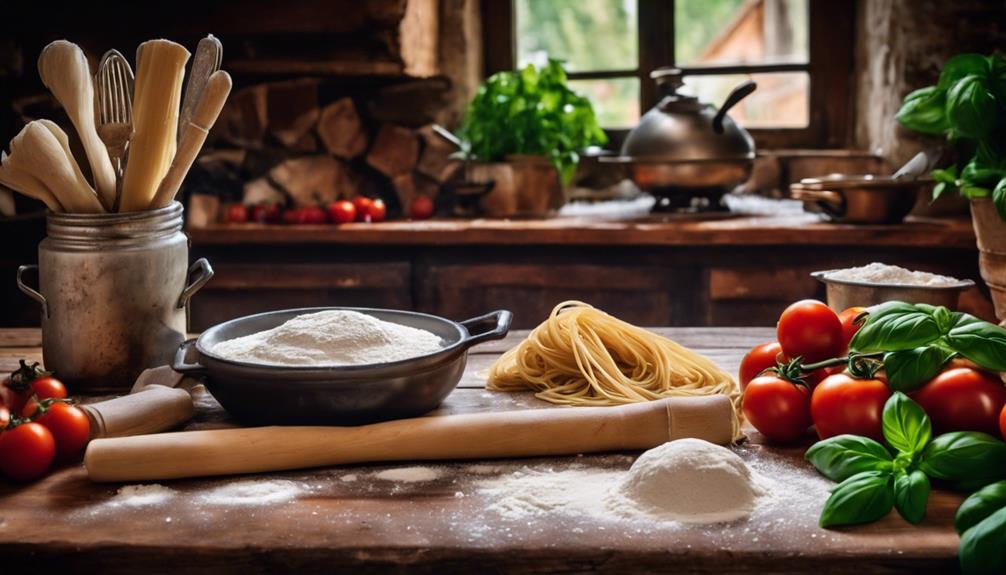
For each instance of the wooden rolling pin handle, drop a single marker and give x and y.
(534, 432)
(154, 409)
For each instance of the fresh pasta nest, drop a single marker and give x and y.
(581, 355)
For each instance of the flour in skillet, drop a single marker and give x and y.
(330, 338)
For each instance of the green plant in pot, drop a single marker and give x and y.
(532, 122)
(968, 107)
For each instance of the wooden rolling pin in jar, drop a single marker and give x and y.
(528, 433)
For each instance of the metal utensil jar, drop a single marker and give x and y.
(113, 290)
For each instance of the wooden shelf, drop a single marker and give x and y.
(805, 230)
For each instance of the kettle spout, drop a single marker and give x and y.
(736, 95)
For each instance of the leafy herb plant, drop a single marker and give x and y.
(530, 111)
(968, 106)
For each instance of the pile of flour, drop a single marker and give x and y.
(330, 338)
(884, 274)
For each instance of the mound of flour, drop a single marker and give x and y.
(687, 480)
(884, 274)
(330, 337)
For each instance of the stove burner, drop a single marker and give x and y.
(689, 200)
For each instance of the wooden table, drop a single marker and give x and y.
(349, 520)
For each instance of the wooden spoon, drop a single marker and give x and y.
(37, 152)
(64, 70)
(27, 184)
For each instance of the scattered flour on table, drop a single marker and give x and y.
(349, 478)
(885, 274)
(330, 337)
(408, 474)
(141, 495)
(252, 492)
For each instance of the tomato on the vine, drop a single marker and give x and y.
(48, 387)
(237, 213)
(844, 404)
(759, 359)
(963, 399)
(341, 212)
(811, 330)
(19, 387)
(1002, 422)
(778, 408)
(849, 325)
(69, 427)
(26, 451)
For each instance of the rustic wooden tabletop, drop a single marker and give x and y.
(448, 517)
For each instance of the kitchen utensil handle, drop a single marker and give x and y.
(738, 94)
(33, 294)
(199, 273)
(181, 363)
(525, 433)
(920, 163)
(501, 318)
(448, 136)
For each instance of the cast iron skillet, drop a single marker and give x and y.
(265, 394)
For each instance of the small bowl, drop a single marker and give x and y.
(843, 294)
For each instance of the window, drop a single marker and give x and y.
(798, 51)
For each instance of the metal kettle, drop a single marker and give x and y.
(682, 143)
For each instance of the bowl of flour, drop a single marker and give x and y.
(877, 283)
(335, 365)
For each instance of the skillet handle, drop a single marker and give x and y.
(181, 363)
(502, 319)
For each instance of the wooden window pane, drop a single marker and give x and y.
(615, 100)
(732, 32)
(782, 100)
(588, 35)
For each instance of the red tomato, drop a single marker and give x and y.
(314, 215)
(12, 399)
(421, 208)
(842, 404)
(362, 205)
(293, 216)
(809, 329)
(1002, 422)
(963, 399)
(48, 387)
(237, 213)
(377, 211)
(780, 410)
(341, 212)
(818, 375)
(4, 416)
(26, 452)
(266, 213)
(759, 359)
(69, 427)
(849, 326)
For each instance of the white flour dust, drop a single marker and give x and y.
(408, 474)
(330, 337)
(884, 274)
(252, 492)
(141, 495)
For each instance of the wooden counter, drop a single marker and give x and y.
(346, 519)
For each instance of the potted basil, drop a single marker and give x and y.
(968, 106)
(524, 130)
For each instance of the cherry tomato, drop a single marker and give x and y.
(362, 205)
(421, 208)
(266, 213)
(963, 399)
(759, 359)
(26, 452)
(48, 387)
(780, 410)
(341, 212)
(849, 325)
(809, 329)
(69, 427)
(314, 215)
(237, 213)
(293, 216)
(377, 211)
(4, 416)
(843, 404)
(1002, 422)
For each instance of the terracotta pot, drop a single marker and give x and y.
(524, 186)
(990, 231)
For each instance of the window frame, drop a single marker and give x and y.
(830, 66)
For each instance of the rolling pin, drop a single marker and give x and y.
(528, 433)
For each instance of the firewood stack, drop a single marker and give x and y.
(285, 142)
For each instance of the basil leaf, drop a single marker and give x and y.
(862, 498)
(839, 458)
(999, 197)
(911, 494)
(910, 369)
(980, 505)
(971, 106)
(965, 455)
(895, 326)
(924, 110)
(981, 550)
(960, 66)
(906, 426)
(980, 341)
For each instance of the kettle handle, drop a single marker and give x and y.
(738, 94)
